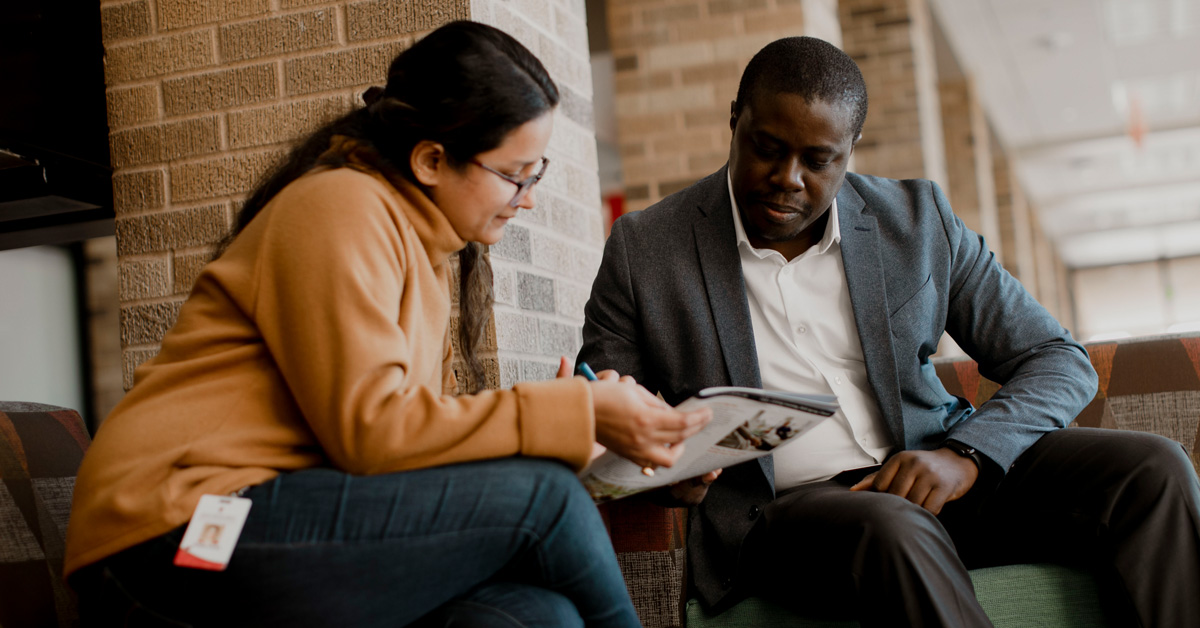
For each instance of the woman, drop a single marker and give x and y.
(310, 372)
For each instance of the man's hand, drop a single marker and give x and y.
(691, 492)
(928, 479)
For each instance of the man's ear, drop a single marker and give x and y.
(733, 115)
(854, 142)
(426, 161)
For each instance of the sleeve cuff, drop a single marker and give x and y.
(556, 420)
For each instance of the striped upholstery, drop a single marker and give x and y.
(1146, 384)
(40, 449)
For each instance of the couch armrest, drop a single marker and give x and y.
(1146, 384)
(41, 447)
(650, 545)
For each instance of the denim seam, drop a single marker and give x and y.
(537, 539)
(493, 609)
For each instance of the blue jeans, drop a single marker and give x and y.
(511, 542)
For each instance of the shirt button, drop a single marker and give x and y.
(802, 329)
(838, 380)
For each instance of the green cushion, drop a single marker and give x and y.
(1014, 596)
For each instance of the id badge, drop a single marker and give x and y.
(213, 532)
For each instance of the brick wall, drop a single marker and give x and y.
(678, 63)
(204, 97)
(892, 42)
(971, 183)
(1013, 215)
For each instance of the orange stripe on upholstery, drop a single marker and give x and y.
(1192, 346)
(1102, 361)
(639, 526)
(9, 432)
(968, 377)
(71, 420)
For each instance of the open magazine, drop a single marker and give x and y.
(747, 423)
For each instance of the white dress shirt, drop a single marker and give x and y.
(807, 341)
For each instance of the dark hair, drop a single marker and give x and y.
(809, 67)
(466, 86)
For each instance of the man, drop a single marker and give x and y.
(783, 271)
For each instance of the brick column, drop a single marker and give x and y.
(204, 97)
(892, 42)
(970, 185)
(1013, 214)
(1046, 261)
(677, 69)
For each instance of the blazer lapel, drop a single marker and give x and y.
(721, 265)
(864, 278)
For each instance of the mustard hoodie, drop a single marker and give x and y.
(320, 337)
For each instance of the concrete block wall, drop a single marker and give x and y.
(206, 97)
(678, 63)
(546, 262)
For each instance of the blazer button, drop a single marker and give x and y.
(754, 512)
(727, 583)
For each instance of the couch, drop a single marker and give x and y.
(41, 447)
(1146, 384)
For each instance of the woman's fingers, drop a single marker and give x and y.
(609, 375)
(564, 367)
(647, 396)
(662, 456)
(638, 425)
(675, 426)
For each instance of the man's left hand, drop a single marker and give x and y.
(928, 479)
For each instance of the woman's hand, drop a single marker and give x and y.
(636, 424)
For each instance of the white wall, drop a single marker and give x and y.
(40, 357)
(1138, 299)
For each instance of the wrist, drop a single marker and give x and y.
(965, 451)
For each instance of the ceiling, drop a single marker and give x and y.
(1099, 103)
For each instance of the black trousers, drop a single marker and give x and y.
(1125, 503)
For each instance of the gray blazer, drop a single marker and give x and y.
(669, 308)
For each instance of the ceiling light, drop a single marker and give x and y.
(1055, 41)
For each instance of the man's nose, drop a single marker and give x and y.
(789, 175)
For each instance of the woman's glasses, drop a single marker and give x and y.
(523, 185)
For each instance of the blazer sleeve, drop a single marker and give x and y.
(331, 279)
(612, 333)
(1045, 374)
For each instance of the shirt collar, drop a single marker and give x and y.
(833, 229)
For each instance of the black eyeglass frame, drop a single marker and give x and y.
(523, 185)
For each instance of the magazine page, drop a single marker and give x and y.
(746, 424)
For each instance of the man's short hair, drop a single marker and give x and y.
(808, 67)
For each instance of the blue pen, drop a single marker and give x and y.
(591, 377)
(587, 371)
